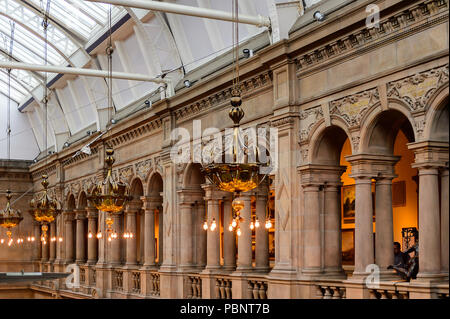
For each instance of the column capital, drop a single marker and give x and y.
(188, 196)
(68, 216)
(372, 165)
(151, 202)
(320, 174)
(430, 154)
(133, 207)
(92, 212)
(80, 214)
(212, 193)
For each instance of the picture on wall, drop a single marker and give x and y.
(348, 203)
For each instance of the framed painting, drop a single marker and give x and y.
(348, 204)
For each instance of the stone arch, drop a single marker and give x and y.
(155, 183)
(380, 128)
(136, 188)
(437, 117)
(327, 141)
(193, 178)
(82, 200)
(71, 202)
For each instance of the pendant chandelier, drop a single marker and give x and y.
(45, 209)
(9, 217)
(110, 196)
(236, 173)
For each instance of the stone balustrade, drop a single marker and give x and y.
(223, 288)
(194, 284)
(331, 290)
(136, 282)
(155, 284)
(257, 289)
(118, 280)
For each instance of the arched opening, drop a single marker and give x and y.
(82, 204)
(193, 181)
(155, 189)
(439, 126)
(71, 207)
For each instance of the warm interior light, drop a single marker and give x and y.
(268, 224)
(238, 232)
(90, 235)
(257, 222)
(10, 242)
(252, 225)
(32, 238)
(233, 223)
(205, 225)
(2, 241)
(60, 239)
(99, 235)
(230, 228)
(213, 225)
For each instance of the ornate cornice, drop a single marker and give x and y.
(365, 38)
(248, 87)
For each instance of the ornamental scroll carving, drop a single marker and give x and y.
(126, 173)
(308, 118)
(353, 108)
(143, 168)
(417, 90)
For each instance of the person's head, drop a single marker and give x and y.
(397, 247)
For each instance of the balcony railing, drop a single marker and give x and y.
(194, 284)
(223, 288)
(257, 289)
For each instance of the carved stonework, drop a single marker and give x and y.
(352, 108)
(389, 26)
(88, 183)
(416, 90)
(157, 164)
(355, 142)
(247, 86)
(420, 126)
(143, 168)
(308, 118)
(126, 173)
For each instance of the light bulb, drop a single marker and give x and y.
(60, 239)
(90, 235)
(252, 226)
(257, 223)
(233, 223)
(32, 238)
(238, 232)
(99, 235)
(230, 228)
(10, 242)
(213, 225)
(131, 235)
(205, 225)
(2, 241)
(109, 238)
(268, 224)
(18, 240)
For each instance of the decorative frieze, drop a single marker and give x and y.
(417, 89)
(126, 173)
(353, 108)
(143, 168)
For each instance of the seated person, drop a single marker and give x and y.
(409, 269)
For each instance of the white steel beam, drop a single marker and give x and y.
(258, 21)
(80, 71)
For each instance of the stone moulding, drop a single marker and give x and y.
(248, 87)
(365, 37)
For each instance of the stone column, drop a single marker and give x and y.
(201, 243)
(444, 221)
(45, 248)
(332, 228)
(244, 262)
(130, 213)
(68, 237)
(160, 234)
(212, 237)
(92, 216)
(384, 226)
(103, 241)
(429, 224)
(364, 254)
(311, 230)
(186, 233)
(37, 241)
(261, 233)
(150, 206)
(229, 237)
(53, 243)
(115, 244)
(80, 238)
